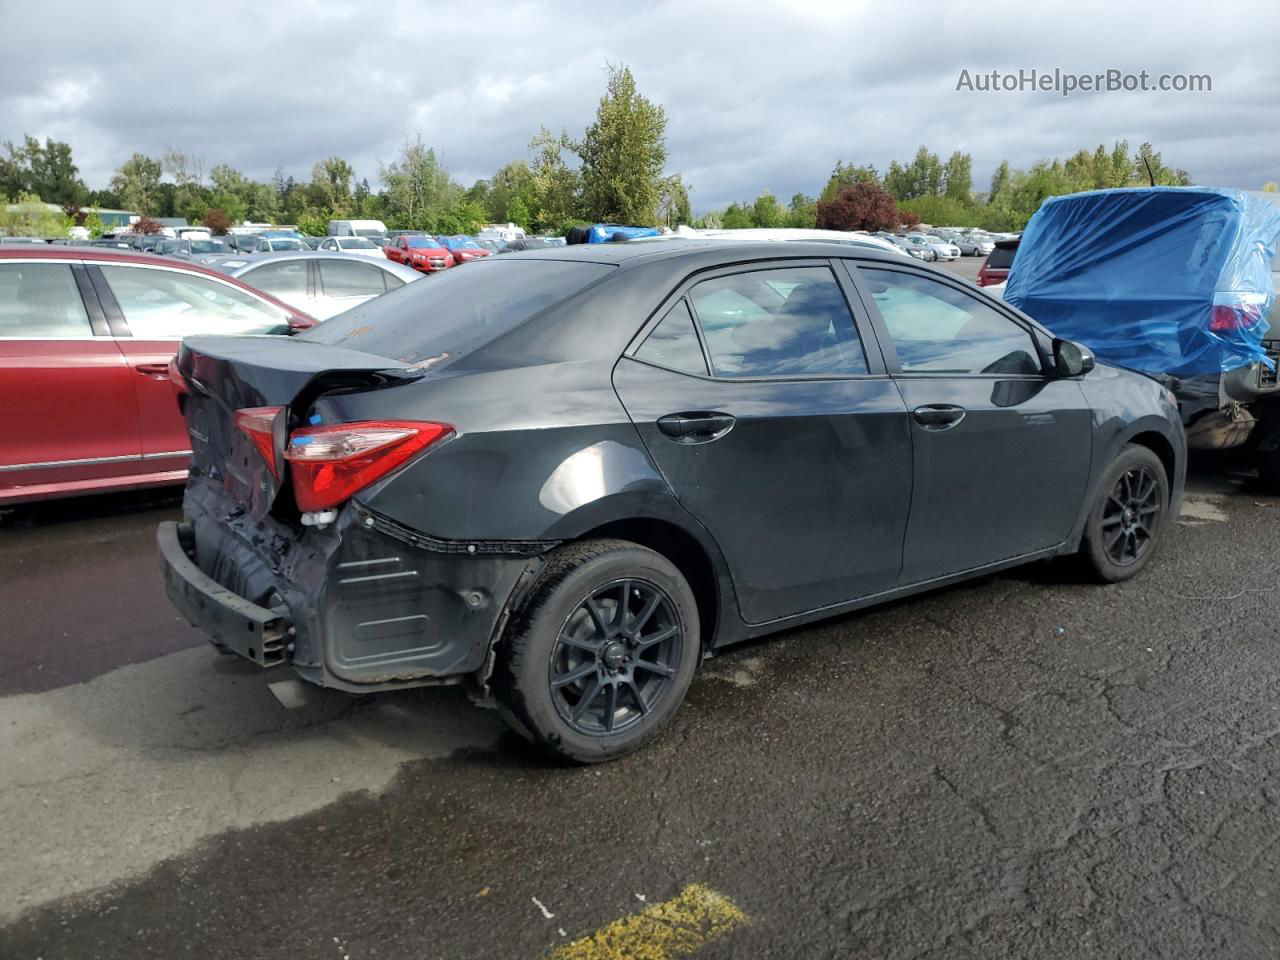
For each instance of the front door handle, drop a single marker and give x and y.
(696, 426)
(938, 416)
(156, 371)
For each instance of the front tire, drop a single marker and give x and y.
(1128, 516)
(601, 653)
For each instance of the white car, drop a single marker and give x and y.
(794, 234)
(359, 246)
(320, 284)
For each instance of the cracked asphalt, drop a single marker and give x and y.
(1023, 766)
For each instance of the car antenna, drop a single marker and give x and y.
(1147, 161)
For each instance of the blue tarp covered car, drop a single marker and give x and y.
(1177, 282)
(1167, 280)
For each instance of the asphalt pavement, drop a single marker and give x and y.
(1022, 766)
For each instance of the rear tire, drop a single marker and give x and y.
(601, 653)
(1128, 516)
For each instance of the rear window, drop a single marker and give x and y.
(1001, 257)
(41, 300)
(457, 309)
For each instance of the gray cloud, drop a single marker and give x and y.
(757, 96)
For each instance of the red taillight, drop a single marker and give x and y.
(329, 464)
(1227, 319)
(256, 423)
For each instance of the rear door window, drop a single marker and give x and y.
(164, 304)
(674, 343)
(286, 280)
(345, 278)
(785, 322)
(41, 300)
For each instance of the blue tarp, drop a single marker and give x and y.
(604, 232)
(1173, 280)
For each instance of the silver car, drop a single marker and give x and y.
(202, 249)
(318, 283)
(943, 248)
(973, 244)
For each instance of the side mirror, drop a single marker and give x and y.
(1071, 359)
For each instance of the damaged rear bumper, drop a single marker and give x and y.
(362, 605)
(233, 623)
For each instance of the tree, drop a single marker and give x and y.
(216, 220)
(330, 186)
(419, 193)
(623, 154)
(766, 211)
(511, 188)
(999, 181)
(923, 176)
(137, 183)
(555, 185)
(943, 211)
(802, 211)
(146, 225)
(846, 175)
(94, 224)
(674, 206)
(957, 177)
(862, 206)
(29, 216)
(737, 217)
(46, 170)
(189, 195)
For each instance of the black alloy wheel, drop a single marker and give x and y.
(615, 657)
(1131, 516)
(1127, 517)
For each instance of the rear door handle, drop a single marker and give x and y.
(696, 426)
(938, 416)
(156, 371)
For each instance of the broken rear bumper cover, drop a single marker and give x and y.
(363, 605)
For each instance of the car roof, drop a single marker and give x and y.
(628, 253)
(236, 264)
(115, 255)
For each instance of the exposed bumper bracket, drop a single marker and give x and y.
(255, 633)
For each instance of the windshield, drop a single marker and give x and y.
(423, 243)
(463, 243)
(209, 246)
(286, 244)
(368, 233)
(467, 308)
(357, 243)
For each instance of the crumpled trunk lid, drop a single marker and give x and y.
(222, 375)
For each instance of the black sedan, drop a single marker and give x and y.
(565, 477)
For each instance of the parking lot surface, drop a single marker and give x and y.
(1017, 767)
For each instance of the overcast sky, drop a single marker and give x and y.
(758, 97)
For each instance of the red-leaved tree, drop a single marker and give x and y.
(859, 206)
(146, 225)
(216, 220)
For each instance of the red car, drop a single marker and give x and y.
(420, 252)
(464, 249)
(995, 269)
(86, 336)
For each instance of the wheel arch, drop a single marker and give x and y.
(686, 553)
